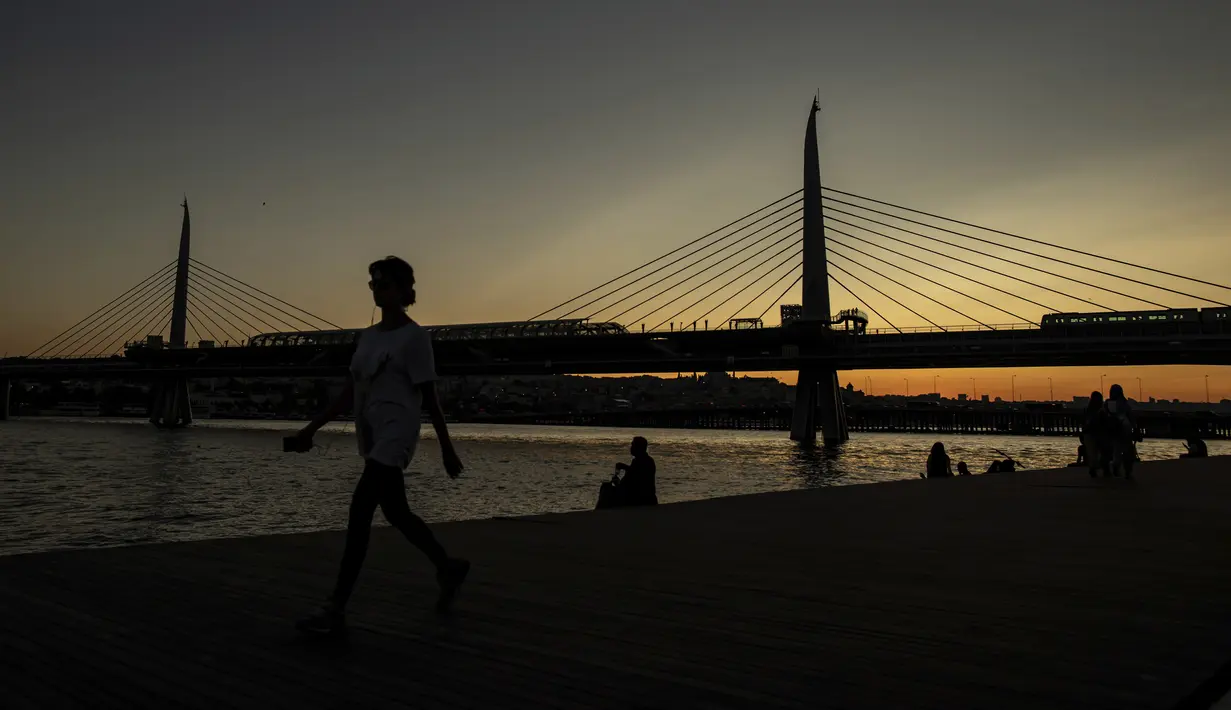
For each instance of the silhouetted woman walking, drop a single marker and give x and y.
(392, 378)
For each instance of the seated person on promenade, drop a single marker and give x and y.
(1196, 449)
(637, 486)
(963, 469)
(938, 465)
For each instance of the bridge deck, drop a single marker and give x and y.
(1023, 590)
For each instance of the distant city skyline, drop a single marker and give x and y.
(518, 155)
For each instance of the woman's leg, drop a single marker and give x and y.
(392, 499)
(358, 532)
(450, 573)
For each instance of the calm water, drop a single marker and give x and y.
(74, 483)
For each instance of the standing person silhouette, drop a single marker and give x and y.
(1121, 426)
(392, 377)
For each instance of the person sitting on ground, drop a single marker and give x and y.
(938, 465)
(1081, 456)
(637, 486)
(1196, 448)
(963, 469)
(994, 467)
(1007, 466)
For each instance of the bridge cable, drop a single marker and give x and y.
(73, 328)
(216, 307)
(942, 304)
(999, 258)
(255, 308)
(124, 327)
(240, 303)
(77, 327)
(643, 277)
(752, 284)
(1034, 241)
(227, 328)
(1031, 253)
(702, 271)
(205, 297)
(960, 261)
(781, 296)
(737, 278)
(167, 282)
(664, 256)
(150, 314)
(225, 305)
(687, 266)
(205, 316)
(192, 324)
(279, 300)
(222, 285)
(925, 278)
(208, 331)
(757, 297)
(167, 304)
(862, 302)
(962, 276)
(205, 312)
(127, 332)
(891, 298)
(207, 271)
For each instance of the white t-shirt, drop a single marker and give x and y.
(388, 367)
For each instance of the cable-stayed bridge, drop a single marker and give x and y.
(914, 290)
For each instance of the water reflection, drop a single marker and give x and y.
(818, 465)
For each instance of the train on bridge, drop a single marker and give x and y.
(467, 331)
(1188, 320)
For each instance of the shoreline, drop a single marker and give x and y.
(546, 421)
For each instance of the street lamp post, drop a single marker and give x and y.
(1207, 389)
(1051, 391)
(1013, 388)
(1100, 385)
(1139, 397)
(907, 381)
(974, 389)
(935, 389)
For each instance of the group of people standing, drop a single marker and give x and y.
(1109, 434)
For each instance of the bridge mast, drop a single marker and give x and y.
(816, 389)
(170, 405)
(179, 304)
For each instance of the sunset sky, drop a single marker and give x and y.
(518, 154)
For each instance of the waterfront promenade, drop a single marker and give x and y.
(1027, 590)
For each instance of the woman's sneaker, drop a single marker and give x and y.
(450, 579)
(326, 621)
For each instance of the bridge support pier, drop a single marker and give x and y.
(170, 407)
(817, 393)
(6, 389)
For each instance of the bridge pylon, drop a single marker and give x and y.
(817, 391)
(170, 406)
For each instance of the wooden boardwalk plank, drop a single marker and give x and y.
(1037, 589)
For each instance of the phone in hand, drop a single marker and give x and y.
(296, 444)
